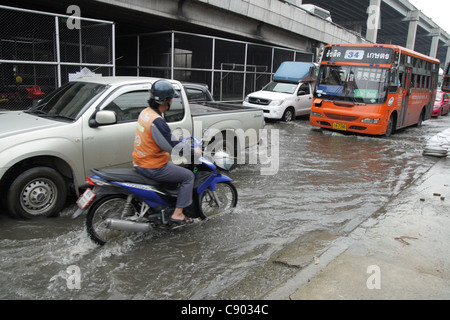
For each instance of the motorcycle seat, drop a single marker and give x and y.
(125, 175)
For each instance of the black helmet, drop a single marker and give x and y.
(161, 90)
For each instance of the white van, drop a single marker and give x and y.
(288, 95)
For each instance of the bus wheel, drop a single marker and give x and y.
(421, 117)
(390, 127)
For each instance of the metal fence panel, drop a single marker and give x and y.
(39, 50)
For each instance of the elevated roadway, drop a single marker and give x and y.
(274, 22)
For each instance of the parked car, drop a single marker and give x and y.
(47, 151)
(288, 95)
(441, 104)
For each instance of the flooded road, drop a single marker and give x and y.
(326, 185)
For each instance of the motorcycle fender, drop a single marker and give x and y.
(99, 191)
(212, 182)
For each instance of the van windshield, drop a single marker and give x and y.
(283, 87)
(366, 85)
(69, 101)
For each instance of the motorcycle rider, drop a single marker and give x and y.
(153, 144)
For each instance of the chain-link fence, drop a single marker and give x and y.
(40, 51)
(230, 68)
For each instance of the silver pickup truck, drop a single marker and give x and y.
(47, 151)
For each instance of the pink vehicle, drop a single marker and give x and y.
(441, 104)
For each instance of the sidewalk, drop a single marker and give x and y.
(403, 253)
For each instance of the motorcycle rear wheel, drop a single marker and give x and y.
(226, 193)
(108, 207)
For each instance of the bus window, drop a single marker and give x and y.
(446, 80)
(353, 83)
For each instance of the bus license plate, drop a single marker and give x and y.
(86, 198)
(339, 126)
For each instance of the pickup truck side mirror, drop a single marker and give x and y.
(102, 118)
(301, 93)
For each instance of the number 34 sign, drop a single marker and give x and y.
(354, 54)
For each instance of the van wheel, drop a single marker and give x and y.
(289, 115)
(36, 192)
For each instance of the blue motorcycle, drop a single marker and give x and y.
(122, 200)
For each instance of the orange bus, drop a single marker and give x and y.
(373, 88)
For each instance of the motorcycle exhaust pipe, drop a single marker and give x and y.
(130, 226)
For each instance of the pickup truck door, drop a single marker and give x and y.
(304, 101)
(112, 145)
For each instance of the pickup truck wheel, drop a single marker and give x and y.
(288, 115)
(37, 192)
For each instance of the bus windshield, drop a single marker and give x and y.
(359, 84)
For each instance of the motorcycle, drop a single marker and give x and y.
(122, 200)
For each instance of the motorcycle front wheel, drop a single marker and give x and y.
(108, 207)
(226, 200)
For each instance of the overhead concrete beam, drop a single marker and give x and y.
(272, 21)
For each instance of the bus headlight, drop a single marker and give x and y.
(369, 120)
(316, 114)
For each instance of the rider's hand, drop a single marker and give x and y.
(198, 151)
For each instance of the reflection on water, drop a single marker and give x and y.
(327, 184)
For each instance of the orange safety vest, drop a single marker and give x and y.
(146, 153)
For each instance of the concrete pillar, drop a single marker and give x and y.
(413, 18)
(373, 20)
(435, 33)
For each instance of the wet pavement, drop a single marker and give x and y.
(327, 187)
(399, 253)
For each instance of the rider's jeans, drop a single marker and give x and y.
(173, 174)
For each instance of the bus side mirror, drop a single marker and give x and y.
(392, 87)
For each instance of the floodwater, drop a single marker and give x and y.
(326, 185)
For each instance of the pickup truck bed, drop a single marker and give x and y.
(199, 108)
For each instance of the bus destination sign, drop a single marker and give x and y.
(375, 55)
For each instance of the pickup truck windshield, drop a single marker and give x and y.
(69, 101)
(281, 87)
(352, 83)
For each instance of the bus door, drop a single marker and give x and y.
(406, 93)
